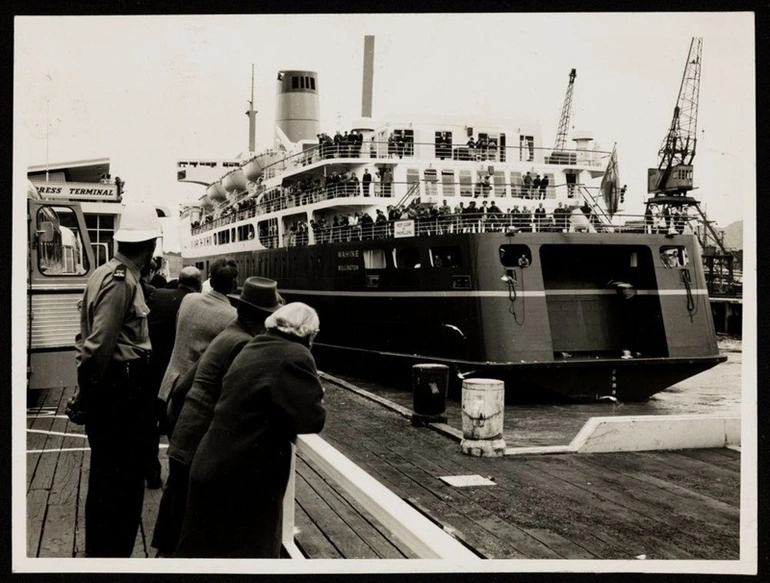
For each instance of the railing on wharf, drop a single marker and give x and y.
(423, 537)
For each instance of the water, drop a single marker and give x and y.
(715, 391)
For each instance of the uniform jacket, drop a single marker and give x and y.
(240, 470)
(113, 319)
(201, 317)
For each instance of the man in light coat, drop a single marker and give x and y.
(201, 317)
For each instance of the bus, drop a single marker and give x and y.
(60, 261)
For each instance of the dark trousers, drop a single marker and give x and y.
(120, 419)
(115, 496)
(172, 508)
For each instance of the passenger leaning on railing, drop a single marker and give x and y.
(239, 474)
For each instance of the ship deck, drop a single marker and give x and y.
(653, 505)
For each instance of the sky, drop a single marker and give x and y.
(146, 91)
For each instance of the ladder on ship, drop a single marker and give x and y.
(598, 218)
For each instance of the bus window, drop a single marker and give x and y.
(59, 242)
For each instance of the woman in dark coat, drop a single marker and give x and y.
(240, 470)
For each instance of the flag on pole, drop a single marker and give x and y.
(609, 186)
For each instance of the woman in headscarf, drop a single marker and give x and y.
(240, 470)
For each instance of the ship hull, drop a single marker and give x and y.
(554, 325)
(613, 380)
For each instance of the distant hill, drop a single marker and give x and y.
(734, 235)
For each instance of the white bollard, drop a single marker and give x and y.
(483, 405)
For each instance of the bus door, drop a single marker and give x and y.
(60, 262)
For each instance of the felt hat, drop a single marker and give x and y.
(259, 292)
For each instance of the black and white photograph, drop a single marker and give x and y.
(416, 293)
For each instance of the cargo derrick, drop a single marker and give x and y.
(673, 178)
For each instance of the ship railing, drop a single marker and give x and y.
(471, 222)
(377, 150)
(424, 538)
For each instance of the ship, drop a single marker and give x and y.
(462, 241)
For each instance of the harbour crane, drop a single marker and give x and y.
(559, 153)
(674, 173)
(672, 180)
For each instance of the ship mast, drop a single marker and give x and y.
(366, 97)
(252, 113)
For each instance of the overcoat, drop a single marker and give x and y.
(240, 470)
(201, 317)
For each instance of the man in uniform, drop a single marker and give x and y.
(113, 351)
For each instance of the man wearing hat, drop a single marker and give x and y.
(192, 401)
(112, 354)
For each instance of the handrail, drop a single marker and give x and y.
(418, 533)
(468, 222)
(380, 150)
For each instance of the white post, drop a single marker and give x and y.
(287, 537)
(483, 405)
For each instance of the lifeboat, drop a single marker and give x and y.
(216, 192)
(206, 204)
(234, 181)
(254, 168)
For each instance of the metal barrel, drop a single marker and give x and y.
(429, 386)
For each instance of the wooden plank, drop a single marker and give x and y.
(438, 510)
(46, 468)
(533, 492)
(629, 505)
(718, 482)
(560, 544)
(650, 495)
(720, 457)
(36, 507)
(358, 519)
(80, 516)
(344, 539)
(670, 480)
(536, 546)
(463, 505)
(43, 421)
(58, 537)
(311, 539)
(582, 505)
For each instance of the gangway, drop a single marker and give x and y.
(598, 217)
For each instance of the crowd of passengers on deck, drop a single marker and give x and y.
(431, 220)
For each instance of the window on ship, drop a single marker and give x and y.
(374, 259)
(445, 256)
(515, 255)
(672, 256)
(404, 142)
(443, 145)
(431, 182)
(268, 233)
(413, 182)
(516, 185)
(448, 182)
(466, 185)
(499, 178)
(526, 148)
(406, 258)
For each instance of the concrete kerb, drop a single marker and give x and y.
(608, 434)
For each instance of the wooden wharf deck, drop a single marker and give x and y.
(663, 505)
